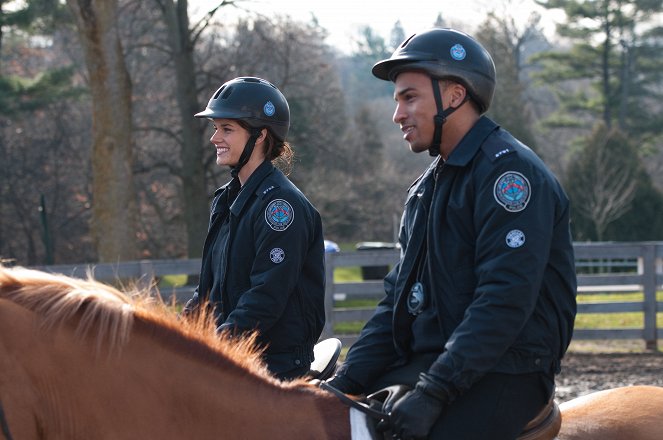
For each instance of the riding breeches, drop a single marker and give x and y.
(497, 407)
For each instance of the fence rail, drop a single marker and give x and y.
(601, 267)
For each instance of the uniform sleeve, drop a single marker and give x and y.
(284, 231)
(514, 214)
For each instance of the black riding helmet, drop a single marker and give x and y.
(252, 100)
(444, 54)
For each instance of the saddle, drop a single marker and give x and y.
(544, 426)
(325, 354)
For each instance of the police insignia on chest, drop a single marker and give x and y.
(416, 300)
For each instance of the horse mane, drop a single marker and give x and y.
(58, 299)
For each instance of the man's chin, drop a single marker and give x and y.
(418, 148)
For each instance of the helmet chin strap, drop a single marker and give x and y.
(246, 154)
(440, 118)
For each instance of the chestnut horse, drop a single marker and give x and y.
(80, 360)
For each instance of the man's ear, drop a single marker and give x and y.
(458, 94)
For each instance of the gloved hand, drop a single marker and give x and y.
(345, 385)
(228, 330)
(415, 413)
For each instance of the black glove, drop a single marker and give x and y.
(416, 412)
(228, 330)
(345, 385)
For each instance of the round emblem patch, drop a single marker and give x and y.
(515, 238)
(277, 255)
(512, 191)
(458, 52)
(269, 108)
(279, 215)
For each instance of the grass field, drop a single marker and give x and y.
(583, 320)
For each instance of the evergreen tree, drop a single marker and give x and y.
(37, 92)
(439, 21)
(614, 68)
(397, 35)
(19, 94)
(506, 43)
(612, 73)
(360, 85)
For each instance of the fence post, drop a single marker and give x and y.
(146, 277)
(649, 288)
(328, 330)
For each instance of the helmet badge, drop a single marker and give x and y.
(269, 108)
(458, 52)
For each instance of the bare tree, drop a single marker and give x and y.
(181, 41)
(114, 218)
(603, 180)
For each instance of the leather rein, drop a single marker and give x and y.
(359, 406)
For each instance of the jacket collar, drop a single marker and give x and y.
(251, 186)
(470, 144)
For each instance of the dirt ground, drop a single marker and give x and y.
(584, 372)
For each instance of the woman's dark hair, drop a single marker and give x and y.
(277, 152)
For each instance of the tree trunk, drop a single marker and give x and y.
(191, 150)
(114, 210)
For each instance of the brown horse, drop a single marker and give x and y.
(81, 360)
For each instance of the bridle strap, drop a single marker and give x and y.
(359, 406)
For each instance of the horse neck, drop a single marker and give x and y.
(239, 398)
(243, 403)
(63, 388)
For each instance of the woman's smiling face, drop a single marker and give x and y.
(229, 139)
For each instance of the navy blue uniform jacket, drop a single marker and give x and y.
(275, 275)
(502, 274)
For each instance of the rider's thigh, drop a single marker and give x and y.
(497, 407)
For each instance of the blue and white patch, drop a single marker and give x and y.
(279, 214)
(277, 255)
(515, 238)
(269, 108)
(458, 52)
(512, 191)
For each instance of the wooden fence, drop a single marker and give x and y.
(601, 267)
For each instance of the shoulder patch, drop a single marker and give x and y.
(279, 214)
(512, 190)
(515, 238)
(277, 255)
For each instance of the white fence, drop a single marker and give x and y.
(601, 267)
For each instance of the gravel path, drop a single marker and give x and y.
(583, 373)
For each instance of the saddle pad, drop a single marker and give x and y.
(359, 426)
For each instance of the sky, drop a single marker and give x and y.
(343, 18)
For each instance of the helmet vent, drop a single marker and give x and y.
(404, 43)
(218, 92)
(227, 92)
